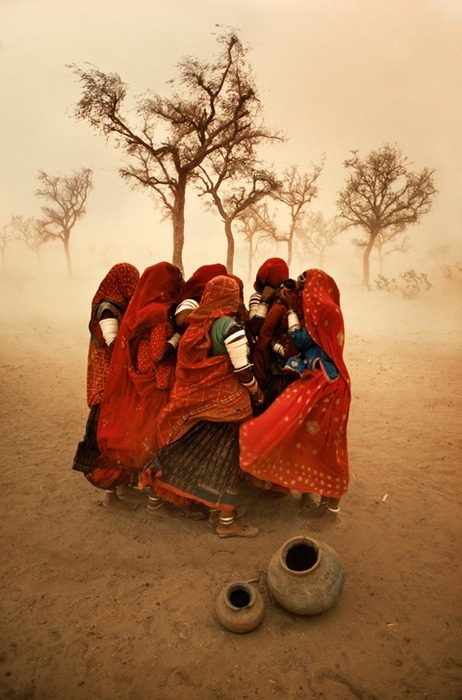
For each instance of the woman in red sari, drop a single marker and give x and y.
(138, 386)
(107, 309)
(198, 429)
(300, 442)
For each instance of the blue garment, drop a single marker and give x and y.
(310, 355)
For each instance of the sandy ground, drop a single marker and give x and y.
(101, 604)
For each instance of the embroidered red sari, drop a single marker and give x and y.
(137, 388)
(206, 387)
(300, 441)
(116, 288)
(198, 428)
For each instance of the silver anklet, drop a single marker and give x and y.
(333, 510)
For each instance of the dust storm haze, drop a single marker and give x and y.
(333, 76)
(101, 605)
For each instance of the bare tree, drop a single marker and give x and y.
(316, 234)
(255, 225)
(296, 191)
(215, 107)
(5, 237)
(242, 190)
(30, 232)
(67, 197)
(381, 194)
(387, 243)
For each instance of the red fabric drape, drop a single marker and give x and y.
(206, 387)
(137, 388)
(117, 287)
(300, 442)
(271, 273)
(194, 286)
(274, 328)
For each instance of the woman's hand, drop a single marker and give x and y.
(286, 299)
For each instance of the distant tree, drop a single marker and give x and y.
(296, 191)
(67, 197)
(316, 234)
(5, 237)
(255, 225)
(382, 195)
(233, 190)
(30, 232)
(215, 108)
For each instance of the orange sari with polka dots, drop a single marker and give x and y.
(300, 441)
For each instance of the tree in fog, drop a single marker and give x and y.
(30, 232)
(215, 107)
(316, 234)
(6, 237)
(382, 196)
(66, 198)
(296, 191)
(234, 186)
(255, 225)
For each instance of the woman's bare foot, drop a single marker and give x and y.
(328, 520)
(309, 508)
(112, 501)
(130, 493)
(235, 529)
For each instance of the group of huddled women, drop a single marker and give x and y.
(191, 393)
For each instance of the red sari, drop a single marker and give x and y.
(194, 286)
(300, 442)
(137, 388)
(116, 288)
(207, 399)
(206, 387)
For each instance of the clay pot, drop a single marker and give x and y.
(240, 607)
(305, 576)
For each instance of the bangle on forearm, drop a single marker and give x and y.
(262, 309)
(174, 340)
(292, 319)
(252, 386)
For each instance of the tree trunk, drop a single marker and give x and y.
(68, 255)
(250, 260)
(230, 249)
(178, 222)
(366, 257)
(289, 252)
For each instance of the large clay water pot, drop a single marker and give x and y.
(305, 576)
(240, 607)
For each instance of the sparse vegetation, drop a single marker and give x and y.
(453, 272)
(409, 285)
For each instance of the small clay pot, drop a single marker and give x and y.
(305, 576)
(240, 607)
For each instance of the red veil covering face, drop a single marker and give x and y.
(193, 288)
(300, 441)
(137, 390)
(271, 273)
(206, 388)
(117, 288)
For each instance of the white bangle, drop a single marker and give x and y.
(174, 340)
(333, 510)
(262, 309)
(292, 319)
(109, 328)
(252, 386)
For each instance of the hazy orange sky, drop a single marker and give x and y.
(333, 75)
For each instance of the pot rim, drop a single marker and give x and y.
(300, 539)
(235, 585)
